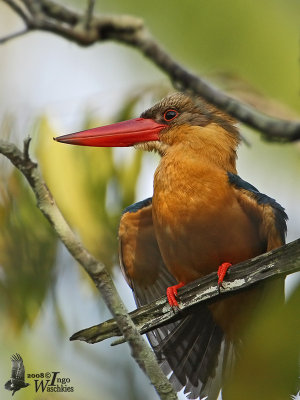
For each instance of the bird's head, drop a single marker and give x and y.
(177, 120)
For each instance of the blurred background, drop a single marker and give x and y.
(51, 87)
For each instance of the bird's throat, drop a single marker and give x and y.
(156, 146)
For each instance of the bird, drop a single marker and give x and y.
(17, 380)
(203, 217)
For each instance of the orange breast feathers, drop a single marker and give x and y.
(198, 219)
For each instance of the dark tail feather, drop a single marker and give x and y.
(194, 351)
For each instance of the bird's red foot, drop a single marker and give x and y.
(222, 272)
(172, 293)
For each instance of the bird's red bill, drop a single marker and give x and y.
(121, 134)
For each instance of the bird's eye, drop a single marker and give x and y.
(170, 114)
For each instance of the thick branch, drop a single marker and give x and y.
(279, 262)
(73, 26)
(96, 270)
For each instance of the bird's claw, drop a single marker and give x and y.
(222, 270)
(172, 293)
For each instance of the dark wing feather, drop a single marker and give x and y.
(271, 214)
(192, 347)
(18, 370)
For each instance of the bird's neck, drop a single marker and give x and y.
(213, 147)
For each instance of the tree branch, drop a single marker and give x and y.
(96, 270)
(89, 13)
(279, 262)
(13, 35)
(19, 10)
(60, 20)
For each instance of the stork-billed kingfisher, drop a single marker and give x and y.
(202, 218)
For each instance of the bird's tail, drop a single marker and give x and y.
(194, 350)
(196, 353)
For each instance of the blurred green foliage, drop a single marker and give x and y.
(94, 185)
(27, 254)
(269, 366)
(91, 186)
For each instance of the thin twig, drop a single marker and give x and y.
(19, 10)
(32, 6)
(14, 35)
(96, 270)
(89, 13)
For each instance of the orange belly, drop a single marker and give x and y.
(200, 224)
(199, 229)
